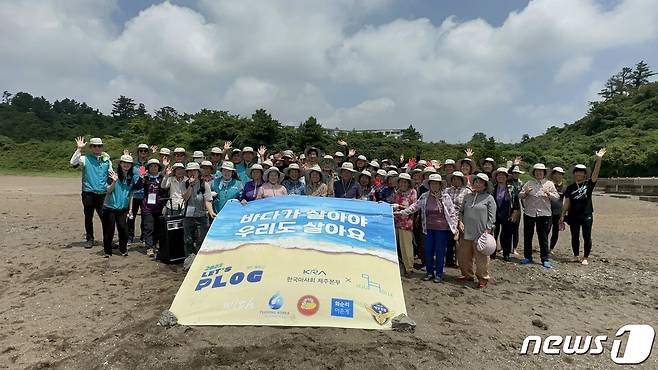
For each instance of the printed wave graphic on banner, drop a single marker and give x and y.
(295, 261)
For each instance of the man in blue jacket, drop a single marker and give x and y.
(95, 169)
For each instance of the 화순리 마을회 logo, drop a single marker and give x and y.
(276, 301)
(308, 305)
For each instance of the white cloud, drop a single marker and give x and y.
(573, 68)
(298, 58)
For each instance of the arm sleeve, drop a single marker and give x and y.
(206, 193)
(522, 193)
(166, 182)
(491, 213)
(413, 208)
(552, 192)
(77, 159)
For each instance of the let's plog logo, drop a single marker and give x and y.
(637, 349)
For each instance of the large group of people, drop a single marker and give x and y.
(443, 210)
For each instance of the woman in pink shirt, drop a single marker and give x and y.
(404, 224)
(273, 187)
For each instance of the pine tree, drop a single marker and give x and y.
(123, 108)
(641, 74)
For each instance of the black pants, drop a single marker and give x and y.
(505, 229)
(137, 204)
(555, 230)
(515, 234)
(115, 218)
(575, 225)
(450, 251)
(91, 202)
(150, 230)
(542, 224)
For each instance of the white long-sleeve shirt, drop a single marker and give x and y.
(176, 190)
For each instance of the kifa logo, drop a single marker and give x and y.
(275, 302)
(636, 351)
(380, 313)
(308, 305)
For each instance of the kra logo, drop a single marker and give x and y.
(637, 350)
(314, 272)
(220, 277)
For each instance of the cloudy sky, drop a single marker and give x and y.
(450, 67)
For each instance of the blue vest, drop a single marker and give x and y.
(231, 191)
(94, 174)
(120, 196)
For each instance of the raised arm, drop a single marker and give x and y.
(597, 165)
(77, 158)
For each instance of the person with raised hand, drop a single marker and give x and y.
(537, 194)
(174, 181)
(198, 206)
(95, 169)
(578, 208)
(116, 207)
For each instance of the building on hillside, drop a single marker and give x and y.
(390, 132)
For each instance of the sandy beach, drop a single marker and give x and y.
(63, 306)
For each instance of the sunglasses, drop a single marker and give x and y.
(143, 150)
(96, 146)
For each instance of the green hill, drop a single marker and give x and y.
(37, 136)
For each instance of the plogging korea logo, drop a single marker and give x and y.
(636, 350)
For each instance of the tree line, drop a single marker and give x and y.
(626, 122)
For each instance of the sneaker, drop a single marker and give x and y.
(106, 256)
(90, 243)
(576, 259)
(547, 264)
(585, 263)
(150, 253)
(131, 240)
(514, 252)
(525, 261)
(437, 279)
(125, 254)
(423, 268)
(481, 285)
(408, 274)
(428, 277)
(507, 259)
